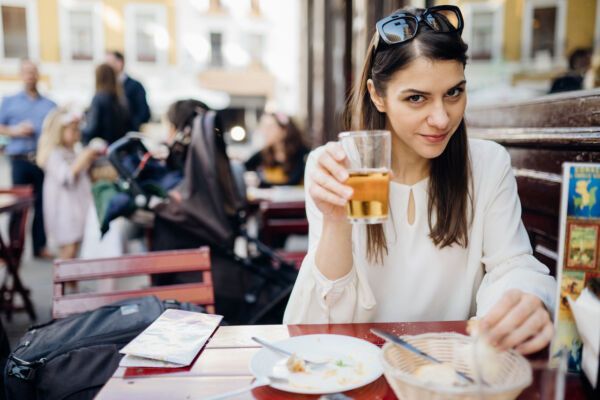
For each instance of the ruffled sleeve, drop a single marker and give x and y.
(316, 299)
(507, 254)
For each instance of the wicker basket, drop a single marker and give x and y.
(400, 364)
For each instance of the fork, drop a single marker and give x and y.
(310, 361)
(258, 382)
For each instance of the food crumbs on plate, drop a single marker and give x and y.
(295, 364)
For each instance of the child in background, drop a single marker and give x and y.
(67, 190)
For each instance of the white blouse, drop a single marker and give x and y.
(418, 281)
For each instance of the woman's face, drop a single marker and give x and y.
(71, 134)
(424, 103)
(271, 131)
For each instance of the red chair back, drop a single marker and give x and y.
(200, 292)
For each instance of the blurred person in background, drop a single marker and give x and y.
(282, 160)
(592, 76)
(139, 111)
(107, 117)
(579, 63)
(21, 119)
(67, 187)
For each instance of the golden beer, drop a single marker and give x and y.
(369, 202)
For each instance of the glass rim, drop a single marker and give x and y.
(364, 132)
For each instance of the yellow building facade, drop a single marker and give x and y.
(53, 24)
(533, 26)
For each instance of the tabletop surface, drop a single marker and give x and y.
(9, 202)
(223, 365)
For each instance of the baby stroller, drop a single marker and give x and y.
(211, 211)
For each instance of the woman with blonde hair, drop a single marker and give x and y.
(67, 191)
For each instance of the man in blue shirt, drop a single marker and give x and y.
(21, 119)
(139, 111)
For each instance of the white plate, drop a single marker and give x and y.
(354, 363)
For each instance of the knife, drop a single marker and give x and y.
(401, 342)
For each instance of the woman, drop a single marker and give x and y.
(282, 160)
(107, 117)
(454, 245)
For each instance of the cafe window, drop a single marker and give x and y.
(256, 44)
(147, 38)
(484, 26)
(216, 49)
(82, 35)
(544, 26)
(544, 29)
(15, 43)
(81, 31)
(482, 40)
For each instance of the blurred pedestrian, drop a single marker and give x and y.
(67, 187)
(139, 111)
(107, 117)
(579, 63)
(282, 160)
(592, 76)
(21, 119)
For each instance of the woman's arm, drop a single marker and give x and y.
(334, 252)
(517, 290)
(328, 288)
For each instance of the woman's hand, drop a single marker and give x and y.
(520, 321)
(327, 187)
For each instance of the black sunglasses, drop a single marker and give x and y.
(402, 27)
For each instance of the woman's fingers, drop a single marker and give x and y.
(519, 320)
(534, 324)
(327, 181)
(516, 310)
(538, 342)
(320, 193)
(332, 160)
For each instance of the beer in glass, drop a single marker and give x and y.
(368, 156)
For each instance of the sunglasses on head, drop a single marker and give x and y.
(402, 27)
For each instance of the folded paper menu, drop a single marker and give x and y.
(172, 340)
(586, 310)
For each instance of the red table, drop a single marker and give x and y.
(223, 365)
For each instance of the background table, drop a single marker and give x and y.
(17, 201)
(223, 365)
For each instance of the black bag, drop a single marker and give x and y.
(72, 358)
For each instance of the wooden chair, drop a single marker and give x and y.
(280, 219)
(196, 260)
(540, 135)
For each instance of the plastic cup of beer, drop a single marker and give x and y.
(368, 156)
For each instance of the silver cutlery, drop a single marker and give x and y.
(258, 382)
(401, 342)
(315, 362)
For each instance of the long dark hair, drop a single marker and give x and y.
(293, 143)
(450, 204)
(106, 80)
